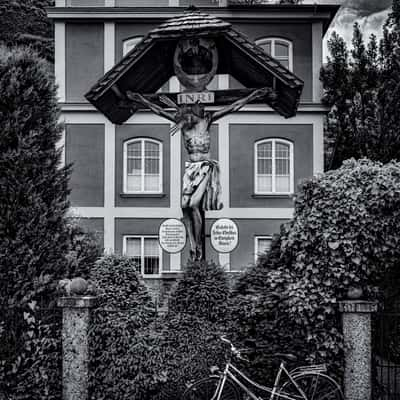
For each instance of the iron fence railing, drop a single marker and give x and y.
(386, 356)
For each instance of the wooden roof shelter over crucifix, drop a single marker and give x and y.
(195, 47)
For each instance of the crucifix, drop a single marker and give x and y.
(195, 64)
(201, 189)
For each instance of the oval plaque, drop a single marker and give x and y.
(172, 235)
(224, 235)
(195, 62)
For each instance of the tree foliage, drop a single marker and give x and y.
(203, 290)
(363, 93)
(33, 231)
(343, 235)
(125, 307)
(24, 22)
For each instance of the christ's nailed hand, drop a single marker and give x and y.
(259, 93)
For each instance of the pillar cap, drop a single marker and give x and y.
(358, 306)
(77, 302)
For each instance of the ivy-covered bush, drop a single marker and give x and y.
(33, 232)
(124, 308)
(344, 234)
(203, 291)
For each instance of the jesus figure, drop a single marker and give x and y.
(201, 189)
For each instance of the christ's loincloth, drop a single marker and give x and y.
(195, 173)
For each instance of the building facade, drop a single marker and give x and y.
(126, 178)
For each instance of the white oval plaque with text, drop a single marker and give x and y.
(172, 235)
(224, 235)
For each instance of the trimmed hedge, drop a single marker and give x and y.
(203, 290)
(344, 234)
(124, 308)
(182, 346)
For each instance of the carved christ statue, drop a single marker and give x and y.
(201, 189)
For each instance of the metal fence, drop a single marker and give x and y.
(386, 356)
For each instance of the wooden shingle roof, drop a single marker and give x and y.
(148, 66)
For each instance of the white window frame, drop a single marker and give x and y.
(273, 41)
(256, 249)
(130, 44)
(125, 169)
(142, 239)
(273, 192)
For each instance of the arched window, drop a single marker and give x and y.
(273, 167)
(280, 49)
(129, 44)
(142, 166)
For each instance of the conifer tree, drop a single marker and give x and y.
(33, 229)
(336, 80)
(389, 88)
(25, 22)
(33, 195)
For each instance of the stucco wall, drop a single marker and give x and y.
(84, 147)
(243, 255)
(300, 34)
(84, 55)
(95, 225)
(158, 132)
(125, 31)
(241, 155)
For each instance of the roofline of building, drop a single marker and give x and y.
(233, 13)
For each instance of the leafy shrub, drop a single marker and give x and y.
(84, 249)
(202, 290)
(172, 352)
(33, 233)
(183, 345)
(124, 307)
(344, 234)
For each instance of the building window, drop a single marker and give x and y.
(130, 44)
(262, 245)
(142, 166)
(280, 49)
(146, 252)
(273, 167)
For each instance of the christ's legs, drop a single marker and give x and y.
(187, 219)
(197, 216)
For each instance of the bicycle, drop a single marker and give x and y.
(302, 383)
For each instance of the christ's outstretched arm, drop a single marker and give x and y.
(237, 105)
(138, 98)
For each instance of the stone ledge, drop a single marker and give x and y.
(77, 302)
(358, 306)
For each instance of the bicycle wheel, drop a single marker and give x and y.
(314, 385)
(204, 389)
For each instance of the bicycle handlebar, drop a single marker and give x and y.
(236, 352)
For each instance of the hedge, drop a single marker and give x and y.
(344, 234)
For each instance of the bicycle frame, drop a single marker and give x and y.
(230, 370)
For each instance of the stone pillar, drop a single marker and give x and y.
(76, 319)
(356, 317)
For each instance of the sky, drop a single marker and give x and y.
(370, 14)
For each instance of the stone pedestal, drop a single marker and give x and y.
(356, 317)
(76, 318)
